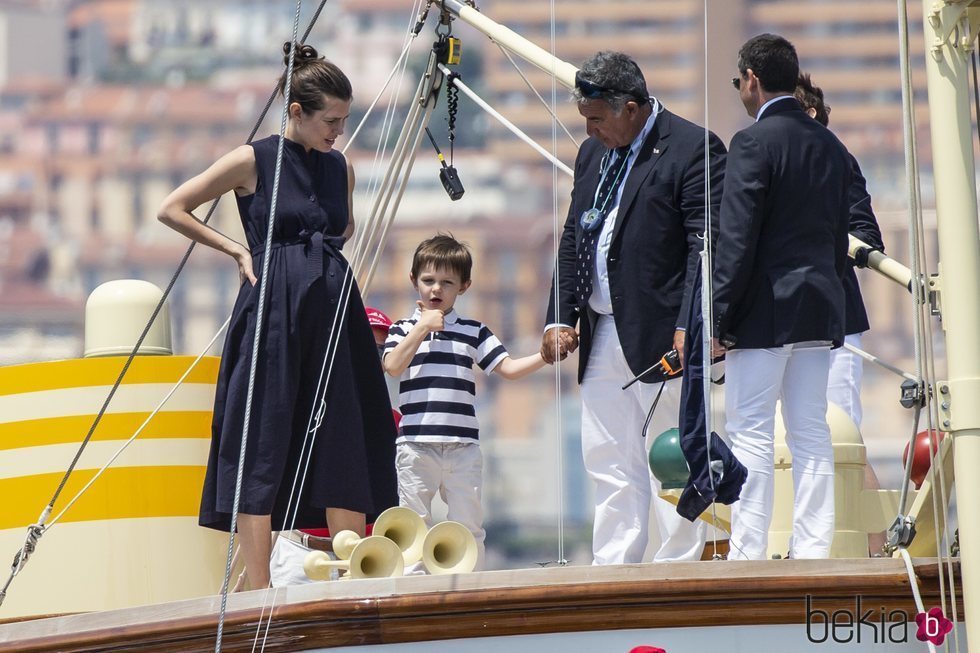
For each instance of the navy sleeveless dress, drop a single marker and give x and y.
(351, 463)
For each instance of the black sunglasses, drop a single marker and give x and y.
(593, 91)
(737, 83)
(589, 89)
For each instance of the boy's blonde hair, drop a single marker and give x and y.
(442, 251)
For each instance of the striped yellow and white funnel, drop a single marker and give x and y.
(132, 538)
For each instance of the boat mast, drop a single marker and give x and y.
(562, 71)
(950, 35)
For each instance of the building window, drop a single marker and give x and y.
(137, 186)
(94, 138)
(142, 135)
(74, 55)
(53, 137)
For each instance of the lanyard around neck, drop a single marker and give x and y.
(604, 166)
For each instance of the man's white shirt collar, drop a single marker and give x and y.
(765, 106)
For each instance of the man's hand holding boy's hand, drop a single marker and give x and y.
(432, 318)
(567, 342)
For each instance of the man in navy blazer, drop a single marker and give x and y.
(625, 267)
(779, 297)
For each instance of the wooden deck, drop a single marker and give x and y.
(422, 608)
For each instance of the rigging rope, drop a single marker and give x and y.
(508, 124)
(396, 179)
(319, 403)
(398, 173)
(922, 330)
(259, 315)
(527, 82)
(366, 236)
(142, 426)
(382, 196)
(871, 358)
(707, 297)
(556, 239)
(268, 624)
(914, 584)
(911, 172)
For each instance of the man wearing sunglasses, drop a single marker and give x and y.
(779, 297)
(626, 261)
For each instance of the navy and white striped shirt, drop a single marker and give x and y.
(437, 390)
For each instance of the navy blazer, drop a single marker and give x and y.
(656, 240)
(782, 244)
(863, 225)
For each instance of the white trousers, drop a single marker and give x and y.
(286, 563)
(755, 379)
(455, 471)
(615, 455)
(844, 384)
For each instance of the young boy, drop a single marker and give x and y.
(433, 353)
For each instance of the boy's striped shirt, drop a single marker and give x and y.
(437, 391)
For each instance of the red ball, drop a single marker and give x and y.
(921, 459)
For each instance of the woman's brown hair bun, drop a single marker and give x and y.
(313, 78)
(304, 53)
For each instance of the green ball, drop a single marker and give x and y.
(667, 460)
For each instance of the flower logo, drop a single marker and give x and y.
(933, 626)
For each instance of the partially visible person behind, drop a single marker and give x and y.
(779, 297)
(291, 547)
(350, 471)
(433, 353)
(846, 367)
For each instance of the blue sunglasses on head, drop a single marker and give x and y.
(593, 91)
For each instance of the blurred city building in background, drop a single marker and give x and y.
(106, 105)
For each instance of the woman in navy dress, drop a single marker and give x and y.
(313, 313)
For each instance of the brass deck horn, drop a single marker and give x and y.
(449, 548)
(369, 557)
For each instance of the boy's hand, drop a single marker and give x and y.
(558, 347)
(432, 318)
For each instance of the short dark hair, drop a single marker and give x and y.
(618, 76)
(811, 97)
(313, 77)
(443, 251)
(773, 60)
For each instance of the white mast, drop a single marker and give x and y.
(950, 33)
(563, 71)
